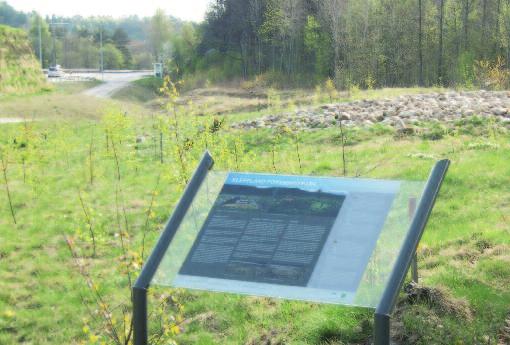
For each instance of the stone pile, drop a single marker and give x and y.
(401, 112)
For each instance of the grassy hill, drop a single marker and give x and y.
(20, 72)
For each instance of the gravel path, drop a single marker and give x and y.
(401, 112)
(11, 120)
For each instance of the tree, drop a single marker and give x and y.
(333, 14)
(255, 18)
(294, 16)
(35, 22)
(440, 75)
(497, 43)
(465, 23)
(507, 29)
(112, 57)
(272, 29)
(159, 34)
(121, 41)
(483, 36)
(420, 42)
(184, 48)
(317, 44)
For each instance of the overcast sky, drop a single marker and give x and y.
(184, 9)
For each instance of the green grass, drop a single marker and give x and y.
(45, 300)
(141, 90)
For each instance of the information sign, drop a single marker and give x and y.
(320, 239)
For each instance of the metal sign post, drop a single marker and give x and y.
(142, 283)
(407, 253)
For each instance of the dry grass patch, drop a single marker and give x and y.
(504, 333)
(439, 299)
(271, 337)
(50, 105)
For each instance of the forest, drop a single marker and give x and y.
(366, 43)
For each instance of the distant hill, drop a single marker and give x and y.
(19, 69)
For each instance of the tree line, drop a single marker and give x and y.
(75, 42)
(79, 46)
(364, 42)
(355, 43)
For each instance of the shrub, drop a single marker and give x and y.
(435, 132)
(492, 75)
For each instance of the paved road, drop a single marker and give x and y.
(112, 81)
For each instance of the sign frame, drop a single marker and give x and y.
(382, 315)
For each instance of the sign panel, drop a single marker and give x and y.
(264, 234)
(330, 240)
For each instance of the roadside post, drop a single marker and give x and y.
(158, 70)
(344, 241)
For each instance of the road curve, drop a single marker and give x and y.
(112, 81)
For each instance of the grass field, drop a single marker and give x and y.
(93, 179)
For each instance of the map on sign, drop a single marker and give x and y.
(264, 234)
(330, 240)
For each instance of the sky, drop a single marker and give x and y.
(183, 9)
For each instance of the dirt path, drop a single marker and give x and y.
(11, 120)
(112, 82)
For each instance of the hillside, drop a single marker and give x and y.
(19, 70)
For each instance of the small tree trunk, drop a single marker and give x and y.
(89, 222)
(342, 137)
(296, 138)
(161, 147)
(440, 76)
(483, 36)
(420, 43)
(466, 23)
(6, 181)
(91, 161)
(497, 35)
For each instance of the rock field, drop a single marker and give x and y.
(401, 112)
